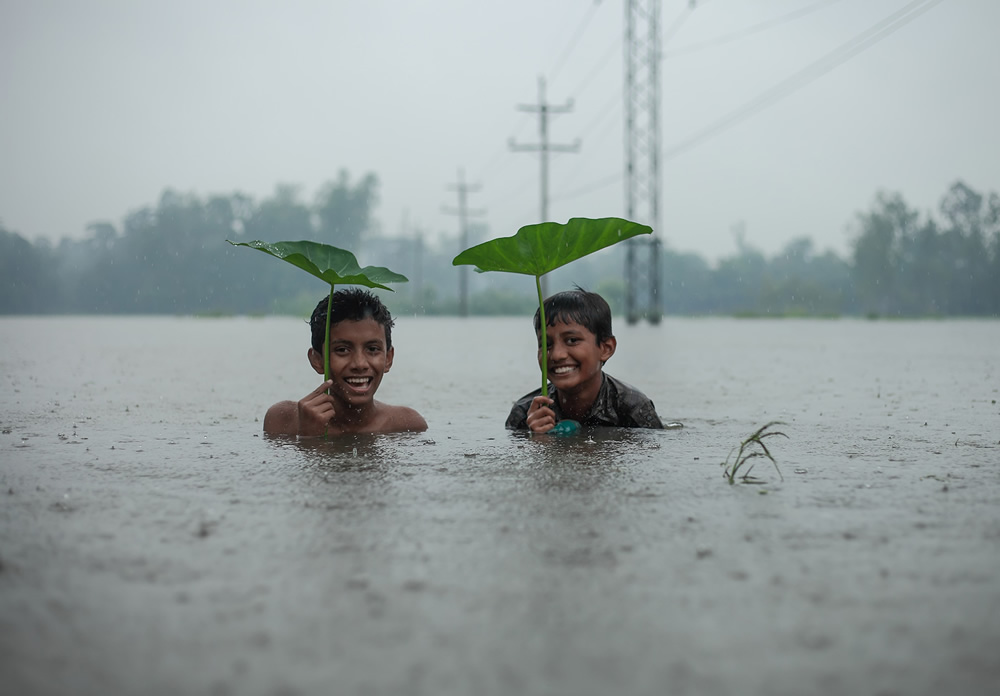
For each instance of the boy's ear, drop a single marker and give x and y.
(607, 348)
(316, 360)
(388, 359)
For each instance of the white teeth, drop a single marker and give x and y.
(357, 380)
(561, 370)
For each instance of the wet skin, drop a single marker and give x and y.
(576, 360)
(346, 402)
(358, 359)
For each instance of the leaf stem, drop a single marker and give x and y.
(326, 339)
(545, 337)
(326, 350)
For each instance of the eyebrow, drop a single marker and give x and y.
(346, 342)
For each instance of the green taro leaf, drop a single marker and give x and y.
(328, 263)
(537, 249)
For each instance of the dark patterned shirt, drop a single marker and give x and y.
(617, 405)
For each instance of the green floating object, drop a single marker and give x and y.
(565, 427)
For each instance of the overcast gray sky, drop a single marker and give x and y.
(106, 103)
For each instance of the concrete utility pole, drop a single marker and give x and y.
(543, 109)
(463, 213)
(642, 155)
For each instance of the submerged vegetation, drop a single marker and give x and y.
(751, 448)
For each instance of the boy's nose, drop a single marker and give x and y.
(358, 359)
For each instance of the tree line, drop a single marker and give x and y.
(172, 258)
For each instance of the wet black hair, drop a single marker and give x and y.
(585, 308)
(350, 303)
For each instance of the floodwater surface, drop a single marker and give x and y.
(153, 541)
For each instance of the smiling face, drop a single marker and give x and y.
(358, 359)
(576, 358)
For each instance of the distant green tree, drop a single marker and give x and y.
(344, 213)
(612, 289)
(687, 284)
(739, 280)
(876, 249)
(282, 216)
(992, 219)
(27, 283)
(101, 284)
(800, 282)
(171, 258)
(965, 231)
(905, 266)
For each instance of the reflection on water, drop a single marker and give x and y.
(349, 452)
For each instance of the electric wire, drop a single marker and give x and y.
(618, 176)
(748, 31)
(498, 156)
(787, 87)
(561, 60)
(807, 75)
(591, 187)
(601, 64)
(678, 23)
(608, 180)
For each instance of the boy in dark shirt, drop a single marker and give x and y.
(580, 342)
(361, 353)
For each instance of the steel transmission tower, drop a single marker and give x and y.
(642, 158)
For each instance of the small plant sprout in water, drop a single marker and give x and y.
(751, 448)
(330, 264)
(537, 249)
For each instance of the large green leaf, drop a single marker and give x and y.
(335, 266)
(537, 249)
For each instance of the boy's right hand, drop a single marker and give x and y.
(316, 411)
(541, 418)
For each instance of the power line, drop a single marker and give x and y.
(603, 119)
(601, 64)
(592, 186)
(748, 31)
(678, 23)
(812, 72)
(573, 40)
(610, 106)
(807, 75)
(498, 154)
(681, 18)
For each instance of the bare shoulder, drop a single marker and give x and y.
(282, 419)
(402, 419)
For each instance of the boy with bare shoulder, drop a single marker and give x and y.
(361, 353)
